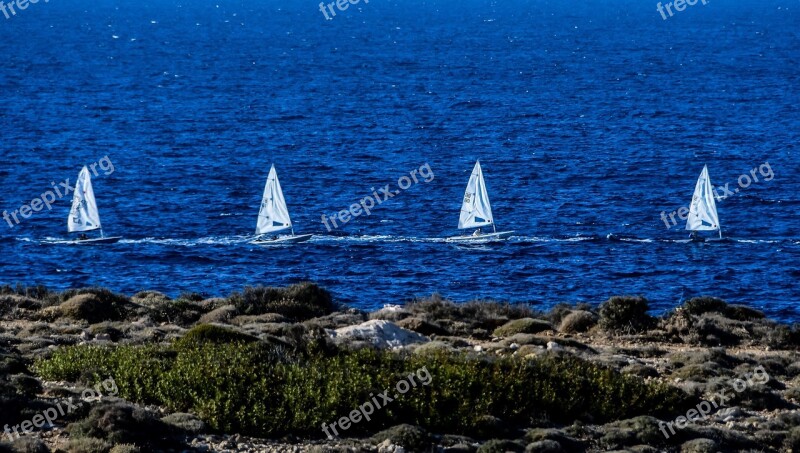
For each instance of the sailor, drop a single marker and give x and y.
(477, 232)
(83, 237)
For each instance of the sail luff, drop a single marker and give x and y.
(83, 215)
(273, 216)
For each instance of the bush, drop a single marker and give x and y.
(125, 448)
(699, 305)
(480, 312)
(209, 333)
(188, 423)
(299, 302)
(93, 308)
(524, 325)
(578, 322)
(501, 446)
(29, 445)
(88, 445)
(120, 423)
(261, 390)
(180, 312)
(104, 295)
(625, 314)
(743, 313)
(413, 438)
(792, 442)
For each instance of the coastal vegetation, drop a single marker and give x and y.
(278, 363)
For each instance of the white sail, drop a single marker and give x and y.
(476, 211)
(274, 215)
(703, 211)
(83, 216)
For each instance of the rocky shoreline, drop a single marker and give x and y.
(738, 371)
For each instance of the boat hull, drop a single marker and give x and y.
(98, 241)
(284, 240)
(489, 237)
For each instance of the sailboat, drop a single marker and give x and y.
(476, 211)
(274, 215)
(703, 211)
(84, 217)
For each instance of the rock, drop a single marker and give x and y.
(553, 346)
(728, 414)
(379, 333)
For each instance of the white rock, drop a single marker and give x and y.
(378, 332)
(553, 346)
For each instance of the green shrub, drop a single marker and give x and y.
(191, 296)
(105, 296)
(120, 423)
(299, 302)
(88, 445)
(181, 312)
(578, 321)
(262, 390)
(27, 444)
(413, 438)
(792, 442)
(210, 333)
(489, 313)
(743, 313)
(625, 314)
(188, 423)
(93, 305)
(125, 448)
(699, 305)
(38, 292)
(501, 446)
(524, 325)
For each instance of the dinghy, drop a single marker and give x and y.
(703, 211)
(274, 215)
(476, 212)
(84, 216)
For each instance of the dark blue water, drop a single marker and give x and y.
(590, 118)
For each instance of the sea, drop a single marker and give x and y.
(592, 121)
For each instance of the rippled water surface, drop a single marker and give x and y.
(590, 118)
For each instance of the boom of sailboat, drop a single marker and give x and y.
(476, 213)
